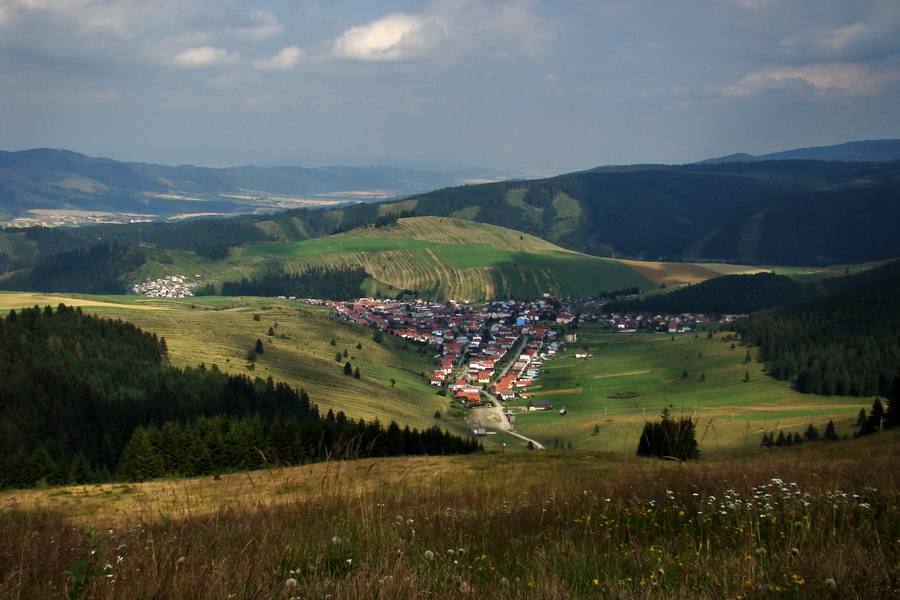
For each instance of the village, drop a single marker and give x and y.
(496, 351)
(170, 286)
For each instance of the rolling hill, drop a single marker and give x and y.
(433, 257)
(46, 180)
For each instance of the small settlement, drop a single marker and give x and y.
(499, 347)
(170, 286)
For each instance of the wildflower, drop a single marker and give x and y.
(830, 584)
(761, 551)
(798, 525)
(450, 552)
(429, 555)
(291, 583)
(335, 540)
(504, 582)
(464, 588)
(795, 552)
(660, 571)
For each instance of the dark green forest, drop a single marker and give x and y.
(88, 399)
(744, 294)
(791, 212)
(99, 269)
(317, 282)
(845, 344)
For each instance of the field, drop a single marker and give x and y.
(441, 258)
(629, 378)
(221, 331)
(625, 380)
(807, 522)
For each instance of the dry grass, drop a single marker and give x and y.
(675, 274)
(819, 523)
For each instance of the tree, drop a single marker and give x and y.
(437, 414)
(393, 382)
(259, 346)
(669, 437)
(892, 413)
(811, 434)
(356, 373)
(271, 332)
(830, 434)
(348, 369)
(338, 357)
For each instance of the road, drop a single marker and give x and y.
(493, 417)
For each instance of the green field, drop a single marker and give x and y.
(629, 378)
(441, 258)
(221, 331)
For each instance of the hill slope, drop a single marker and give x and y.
(434, 257)
(45, 179)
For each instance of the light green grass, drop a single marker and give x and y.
(730, 412)
(441, 258)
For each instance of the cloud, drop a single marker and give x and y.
(286, 60)
(204, 56)
(396, 37)
(818, 80)
(448, 29)
(871, 36)
(258, 25)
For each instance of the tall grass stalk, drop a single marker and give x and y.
(537, 525)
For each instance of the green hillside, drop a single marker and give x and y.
(629, 378)
(438, 258)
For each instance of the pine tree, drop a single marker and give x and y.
(811, 434)
(259, 346)
(348, 369)
(830, 434)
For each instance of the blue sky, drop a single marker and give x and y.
(525, 86)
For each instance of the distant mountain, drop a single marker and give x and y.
(862, 151)
(63, 180)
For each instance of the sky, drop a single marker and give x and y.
(525, 86)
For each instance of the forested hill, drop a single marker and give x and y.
(770, 212)
(87, 399)
(847, 343)
(744, 294)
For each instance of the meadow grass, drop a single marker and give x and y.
(627, 379)
(220, 331)
(807, 522)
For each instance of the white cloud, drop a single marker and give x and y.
(286, 59)
(820, 80)
(395, 37)
(204, 56)
(448, 29)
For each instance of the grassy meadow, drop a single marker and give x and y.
(806, 522)
(628, 378)
(441, 258)
(221, 331)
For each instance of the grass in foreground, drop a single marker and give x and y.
(543, 525)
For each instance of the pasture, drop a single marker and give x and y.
(628, 378)
(807, 522)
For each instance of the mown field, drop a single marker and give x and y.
(628, 378)
(440, 258)
(807, 522)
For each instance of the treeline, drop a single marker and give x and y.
(730, 294)
(317, 282)
(223, 444)
(95, 270)
(76, 388)
(376, 221)
(845, 344)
